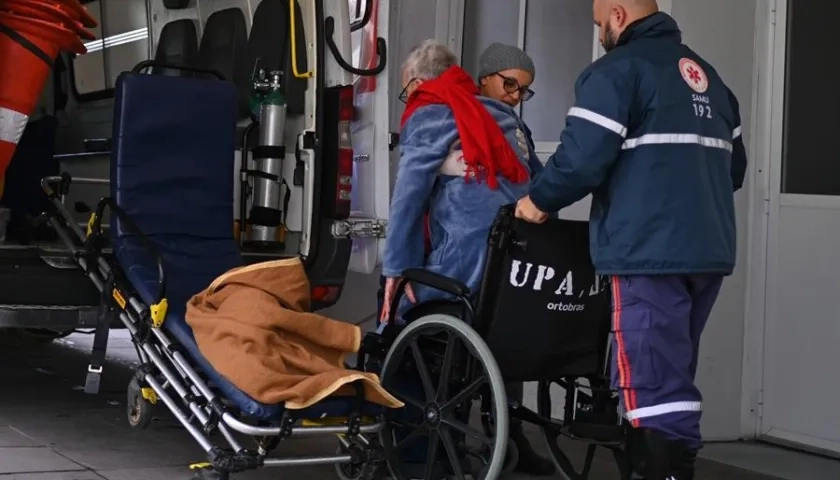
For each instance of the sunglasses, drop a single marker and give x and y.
(511, 85)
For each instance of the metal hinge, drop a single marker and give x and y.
(772, 12)
(393, 140)
(758, 403)
(360, 228)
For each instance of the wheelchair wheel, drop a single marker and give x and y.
(439, 366)
(596, 425)
(139, 409)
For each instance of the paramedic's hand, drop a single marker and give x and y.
(390, 292)
(526, 210)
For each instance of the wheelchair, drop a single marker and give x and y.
(171, 234)
(541, 315)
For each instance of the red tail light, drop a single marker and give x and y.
(344, 183)
(346, 108)
(325, 294)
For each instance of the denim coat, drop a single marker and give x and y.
(461, 210)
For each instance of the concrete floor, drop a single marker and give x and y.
(51, 430)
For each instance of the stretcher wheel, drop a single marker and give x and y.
(348, 471)
(139, 408)
(601, 429)
(358, 471)
(439, 366)
(210, 474)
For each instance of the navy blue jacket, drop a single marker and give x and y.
(655, 137)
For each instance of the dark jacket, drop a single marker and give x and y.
(655, 136)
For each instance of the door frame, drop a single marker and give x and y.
(765, 201)
(767, 74)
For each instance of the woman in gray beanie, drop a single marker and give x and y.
(506, 73)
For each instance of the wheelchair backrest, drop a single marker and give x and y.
(172, 164)
(547, 313)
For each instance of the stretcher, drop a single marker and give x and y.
(171, 234)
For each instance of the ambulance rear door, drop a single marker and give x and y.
(369, 214)
(400, 24)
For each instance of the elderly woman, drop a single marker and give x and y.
(462, 157)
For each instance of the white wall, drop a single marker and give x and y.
(558, 37)
(723, 31)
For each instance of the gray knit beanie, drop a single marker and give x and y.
(498, 57)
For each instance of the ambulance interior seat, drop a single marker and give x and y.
(269, 48)
(176, 4)
(153, 169)
(177, 45)
(223, 49)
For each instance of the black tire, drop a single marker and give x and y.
(210, 474)
(139, 410)
(445, 417)
(348, 471)
(511, 458)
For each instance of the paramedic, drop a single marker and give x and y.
(506, 73)
(655, 136)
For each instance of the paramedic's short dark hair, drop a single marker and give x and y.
(429, 60)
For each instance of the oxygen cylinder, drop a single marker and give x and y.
(270, 193)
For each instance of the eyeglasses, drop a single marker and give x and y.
(511, 85)
(403, 96)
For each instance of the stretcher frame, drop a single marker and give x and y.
(183, 391)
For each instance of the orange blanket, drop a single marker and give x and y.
(252, 324)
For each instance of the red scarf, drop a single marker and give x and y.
(487, 152)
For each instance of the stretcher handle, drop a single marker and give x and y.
(132, 227)
(381, 52)
(154, 63)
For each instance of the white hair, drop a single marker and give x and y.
(428, 60)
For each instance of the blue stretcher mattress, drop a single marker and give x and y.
(172, 172)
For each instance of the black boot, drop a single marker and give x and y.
(530, 462)
(636, 453)
(685, 470)
(667, 459)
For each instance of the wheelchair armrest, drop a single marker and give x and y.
(436, 281)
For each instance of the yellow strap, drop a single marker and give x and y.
(199, 466)
(91, 221)
(295, 72)
(149, 394)
(333, 421)
(158, 312)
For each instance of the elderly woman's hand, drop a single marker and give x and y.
(526, 210)
(390, 292)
